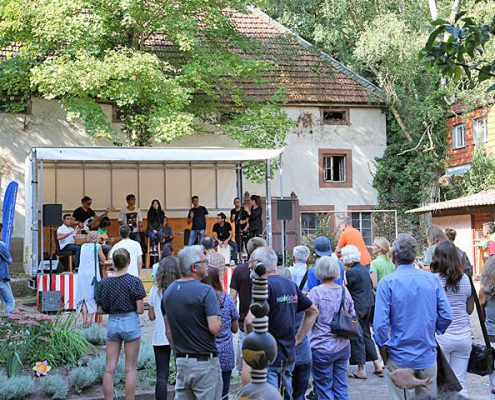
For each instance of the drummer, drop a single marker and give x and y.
(66, 238)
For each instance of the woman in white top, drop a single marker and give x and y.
(166, 274)
(456, 341)
(89, 268)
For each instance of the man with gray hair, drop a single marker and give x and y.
(411, 306)
(285, 300)
(192, 319)
(350, 235)
(298, 271)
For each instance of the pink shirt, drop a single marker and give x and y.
(328, 301)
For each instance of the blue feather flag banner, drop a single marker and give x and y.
(9, 212)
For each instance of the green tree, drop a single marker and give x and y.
(381, 40)
(479, 178)
(171, 67)
(461, 48)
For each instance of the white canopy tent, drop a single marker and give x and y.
(38, 155)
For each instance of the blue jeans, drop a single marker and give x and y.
(7, 296)
(193, 237)
(302, 370)
(330, 374)
(155, 238)
(281, 378)
(233, 245)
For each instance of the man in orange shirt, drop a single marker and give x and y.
(351, 235)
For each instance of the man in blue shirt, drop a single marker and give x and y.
(5, 289)
(411, 306)
(322, 247)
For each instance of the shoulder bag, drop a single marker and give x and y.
(481, 358)
(304, 279)
(96, 282)
(344, 324)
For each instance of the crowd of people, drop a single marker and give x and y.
(406, 310)
(414, 308)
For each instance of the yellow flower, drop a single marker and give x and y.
(41, 368)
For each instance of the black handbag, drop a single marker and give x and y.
(446, 379)
(481, 358)
(344, 324)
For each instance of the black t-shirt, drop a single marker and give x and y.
(241, 282)
(187, 304)
(198, 221)
(238, 215)
(255, 223)
(285, 300)
(118, 295)
(361, 289)
(223, 232)
(80, 215)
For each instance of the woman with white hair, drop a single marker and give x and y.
(360, 287)
(330, 352)
(88, 273)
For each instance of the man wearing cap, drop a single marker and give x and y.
(222, 233)
(322, 247)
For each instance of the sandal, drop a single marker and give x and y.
(381, 374)
(356, 376)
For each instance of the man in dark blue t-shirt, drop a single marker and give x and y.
(198, 216)
(285, 300)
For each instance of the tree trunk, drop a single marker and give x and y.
(399, 120)
(456, 5)
(433, 9)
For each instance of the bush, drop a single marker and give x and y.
(55, 386)
(81, 378)
(37, 337)
(95, 334)
(146, 358)
(98, 366)
(15, 388)
(64, 346)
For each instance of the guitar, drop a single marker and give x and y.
(93, 222)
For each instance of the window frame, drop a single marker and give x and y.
(315, 230)
(344, 121)
(455, 144)
(360, 227)
(347, 154)
(484, 137)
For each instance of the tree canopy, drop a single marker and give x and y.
(382, 40)
(462, 49)
(171, 67)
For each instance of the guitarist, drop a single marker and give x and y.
(84, 213)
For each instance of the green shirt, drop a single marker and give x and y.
(382, 266)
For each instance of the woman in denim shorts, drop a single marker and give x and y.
(121, 296)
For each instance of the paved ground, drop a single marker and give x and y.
(374, 388)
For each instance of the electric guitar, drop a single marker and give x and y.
(93, 222)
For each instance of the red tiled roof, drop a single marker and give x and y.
(305, 74)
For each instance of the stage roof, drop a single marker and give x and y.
(177, 154)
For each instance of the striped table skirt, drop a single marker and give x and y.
(65, 283)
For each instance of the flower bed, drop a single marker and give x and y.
(68, 362)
